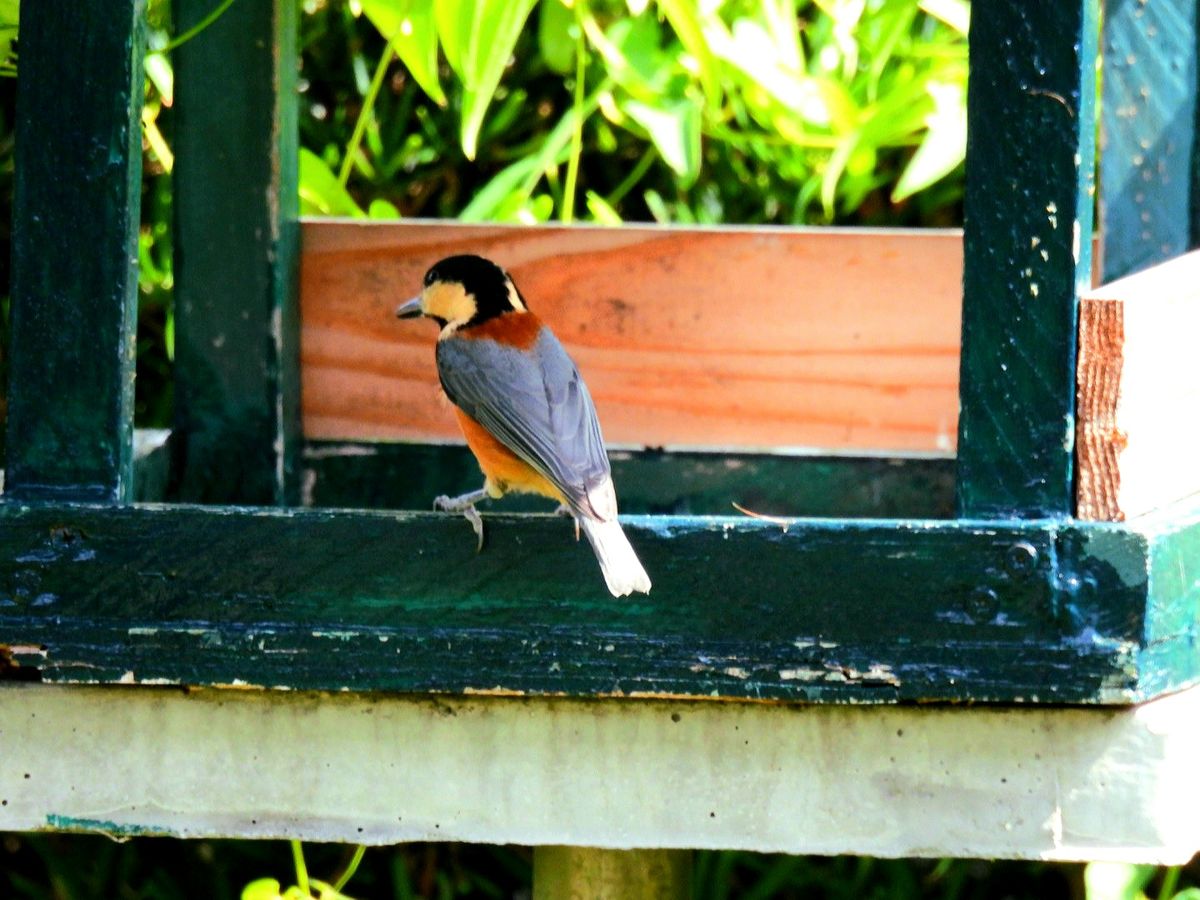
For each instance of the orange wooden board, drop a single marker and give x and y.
(838, 339)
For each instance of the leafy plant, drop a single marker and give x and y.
(303, 889)
(742, 110)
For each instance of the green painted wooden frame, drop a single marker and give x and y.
(1012, 602)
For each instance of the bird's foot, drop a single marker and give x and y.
(564, 510)
(465, 505)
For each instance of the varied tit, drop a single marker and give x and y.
(523, 408)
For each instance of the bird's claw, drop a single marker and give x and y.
(444, 503)
(564, 510)
(472, 515)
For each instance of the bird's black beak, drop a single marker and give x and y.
(410, 310)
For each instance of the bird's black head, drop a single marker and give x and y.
(464, 290)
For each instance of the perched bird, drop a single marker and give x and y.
(523, 408)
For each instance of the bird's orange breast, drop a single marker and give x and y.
(501, 467)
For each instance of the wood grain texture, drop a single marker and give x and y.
(74, 250)
(1027, 217)
(1138, 384)
(705, 337)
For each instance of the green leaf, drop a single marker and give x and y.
(955, 13)
(944, 145)
(819, 101)
(685, 19)
(382, 209)
(555, 38)
(478, 37)
(633, 55)
(320, 191)
(1116, 881)
(408, 25)
(8, 29)
(262, 889)
(674, 129)
(601, 212)
(496, 193)
(158, 70)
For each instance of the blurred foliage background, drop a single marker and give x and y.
(848, 112)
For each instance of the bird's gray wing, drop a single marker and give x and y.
(536, 404)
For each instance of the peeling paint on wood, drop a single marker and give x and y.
(1030, 149)
(74, 284)
(832, 611)
(237, 256)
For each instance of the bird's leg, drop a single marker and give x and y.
(465, 504)
(564, 510)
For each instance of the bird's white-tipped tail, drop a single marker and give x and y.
(623, 572)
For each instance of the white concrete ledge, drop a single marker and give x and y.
(886, 781)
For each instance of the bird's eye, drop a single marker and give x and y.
(430, 277)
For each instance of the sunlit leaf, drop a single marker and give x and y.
(955, 13)
(602, 213)
(478, 37)
(674, 129)
(408, 25)
(944, 145)
(262, 889)
(819, 101)
(555, 40)
(158, 70)
(838, 161)
(382, 209)
(320, 191)
(686, 21)
(1116, 881)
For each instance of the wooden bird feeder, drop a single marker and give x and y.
(970, 628)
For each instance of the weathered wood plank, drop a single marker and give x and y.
(835, 611)
(1147, 192)
(74, 238)
(1028, 214)
(236, 247)
(705, 337)
(409, 476)
(1138, 383)
(913, 780)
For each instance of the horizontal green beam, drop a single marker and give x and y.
(409, 476)
(820, 610)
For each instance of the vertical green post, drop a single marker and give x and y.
(1027, 246)
(585, 873)
(74, 256)
(1148, 199)
(236, 243)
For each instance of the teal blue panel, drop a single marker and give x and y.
(1149, 129)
